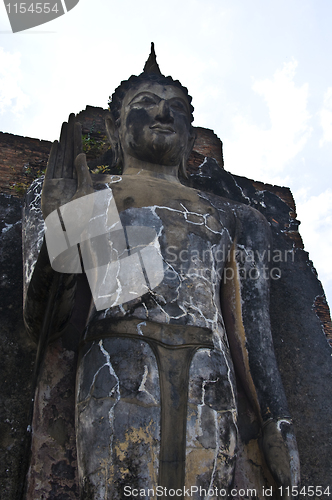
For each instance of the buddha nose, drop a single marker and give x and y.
(164, 112)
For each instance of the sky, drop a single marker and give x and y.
(260, 74)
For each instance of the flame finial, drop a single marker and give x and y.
(151, 66)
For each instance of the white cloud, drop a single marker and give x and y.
(12, 97)
(265, 152)
(326, 117)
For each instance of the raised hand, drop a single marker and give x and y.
(281, 455)
(67, 176)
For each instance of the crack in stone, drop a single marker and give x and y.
(115, 390)
(229, 372)
(142, 387)
(208, 322)
(117, 178)
(215, 461)
(33, 218)
(185, 214)
(139, 328)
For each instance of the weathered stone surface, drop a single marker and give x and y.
(301, 327)
(53, 468)
(17, 355)
(127, 426)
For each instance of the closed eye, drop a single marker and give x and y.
(145, 99)
(178, 105)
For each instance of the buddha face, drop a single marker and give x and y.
(155, 124)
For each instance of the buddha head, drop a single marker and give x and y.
(150, 119)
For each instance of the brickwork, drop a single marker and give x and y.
(20, 160)
(208, 144)
(285, 195)
(92, 120)
(323, 312)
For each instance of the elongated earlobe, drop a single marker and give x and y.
(184, 159)
(183, 168)
(113, 137)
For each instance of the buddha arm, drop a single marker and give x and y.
(245, 306)
(48, 291)
(50, 295)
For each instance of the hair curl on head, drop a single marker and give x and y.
(115, 102)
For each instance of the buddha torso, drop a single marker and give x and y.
(194, 232)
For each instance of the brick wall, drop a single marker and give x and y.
(208, 144)
(20, 159)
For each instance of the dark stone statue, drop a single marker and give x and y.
(177, 307)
